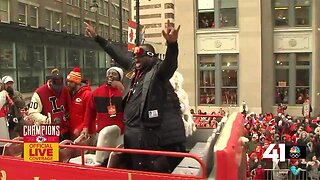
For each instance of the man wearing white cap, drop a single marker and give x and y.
(104, 113)
(15, 103)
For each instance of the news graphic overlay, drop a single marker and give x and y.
(282, 152)
(41, 143)
(296, 152)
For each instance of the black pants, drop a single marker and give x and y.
(174, 161)
(134, 138)
(64, 136)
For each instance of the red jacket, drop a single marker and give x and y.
(56, 104)
(78, 108)
(97, 109)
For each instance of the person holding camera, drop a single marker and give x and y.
(15, 103)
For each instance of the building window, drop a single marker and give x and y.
(27, 15)
(124, 19)
(281, 12)
(55, 58)
(86, 4)
(207, 79)
(33, 12)
(76, 25)
(48, 19)
(106, 32)
(282, 78)
(30, 67)
(91, 68)
(7, 61)
(212, 11)
(302, 13)
(292, 78)
(56, 24)
(125, 37)
(6, 56)
(74, 59)
(104, 58)
(292, 13)
(302, 77)
(117, 34)
(229, 72)
(69, 24)
(169, 15)
(156, 25)
(115, 12)
(218, 79)
(103, 31)
(228, 13)
(73, 25)
(52, 20)
(69, 2)
(113, 33)
(150, 6)
(126, 16)
(103, 8)
(22, 13)
(4, 11)
(76, 3)
(149, 16)
(152, 35)
(169, 6)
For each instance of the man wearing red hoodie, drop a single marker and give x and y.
(104, 109)
(80, 91)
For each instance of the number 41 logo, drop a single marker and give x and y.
(272, 153)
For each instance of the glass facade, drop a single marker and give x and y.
(217, 13)
(30, 62)
(292, 77)
(295, 13)
(218, 79)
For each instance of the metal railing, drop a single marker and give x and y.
(130, 151)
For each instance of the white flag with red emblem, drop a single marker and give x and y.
(131, 34)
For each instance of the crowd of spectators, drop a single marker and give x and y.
(264, 129)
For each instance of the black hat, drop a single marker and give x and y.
(56, 80)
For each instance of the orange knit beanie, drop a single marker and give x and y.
(75, 76)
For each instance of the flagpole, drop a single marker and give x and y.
(138, 22)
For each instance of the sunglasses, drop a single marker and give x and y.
(140, 52)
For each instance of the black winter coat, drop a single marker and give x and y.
(157, 94)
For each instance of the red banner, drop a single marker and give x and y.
(16, 168)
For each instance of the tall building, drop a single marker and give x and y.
(39, 35)
(264, 52)
(153, 16)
